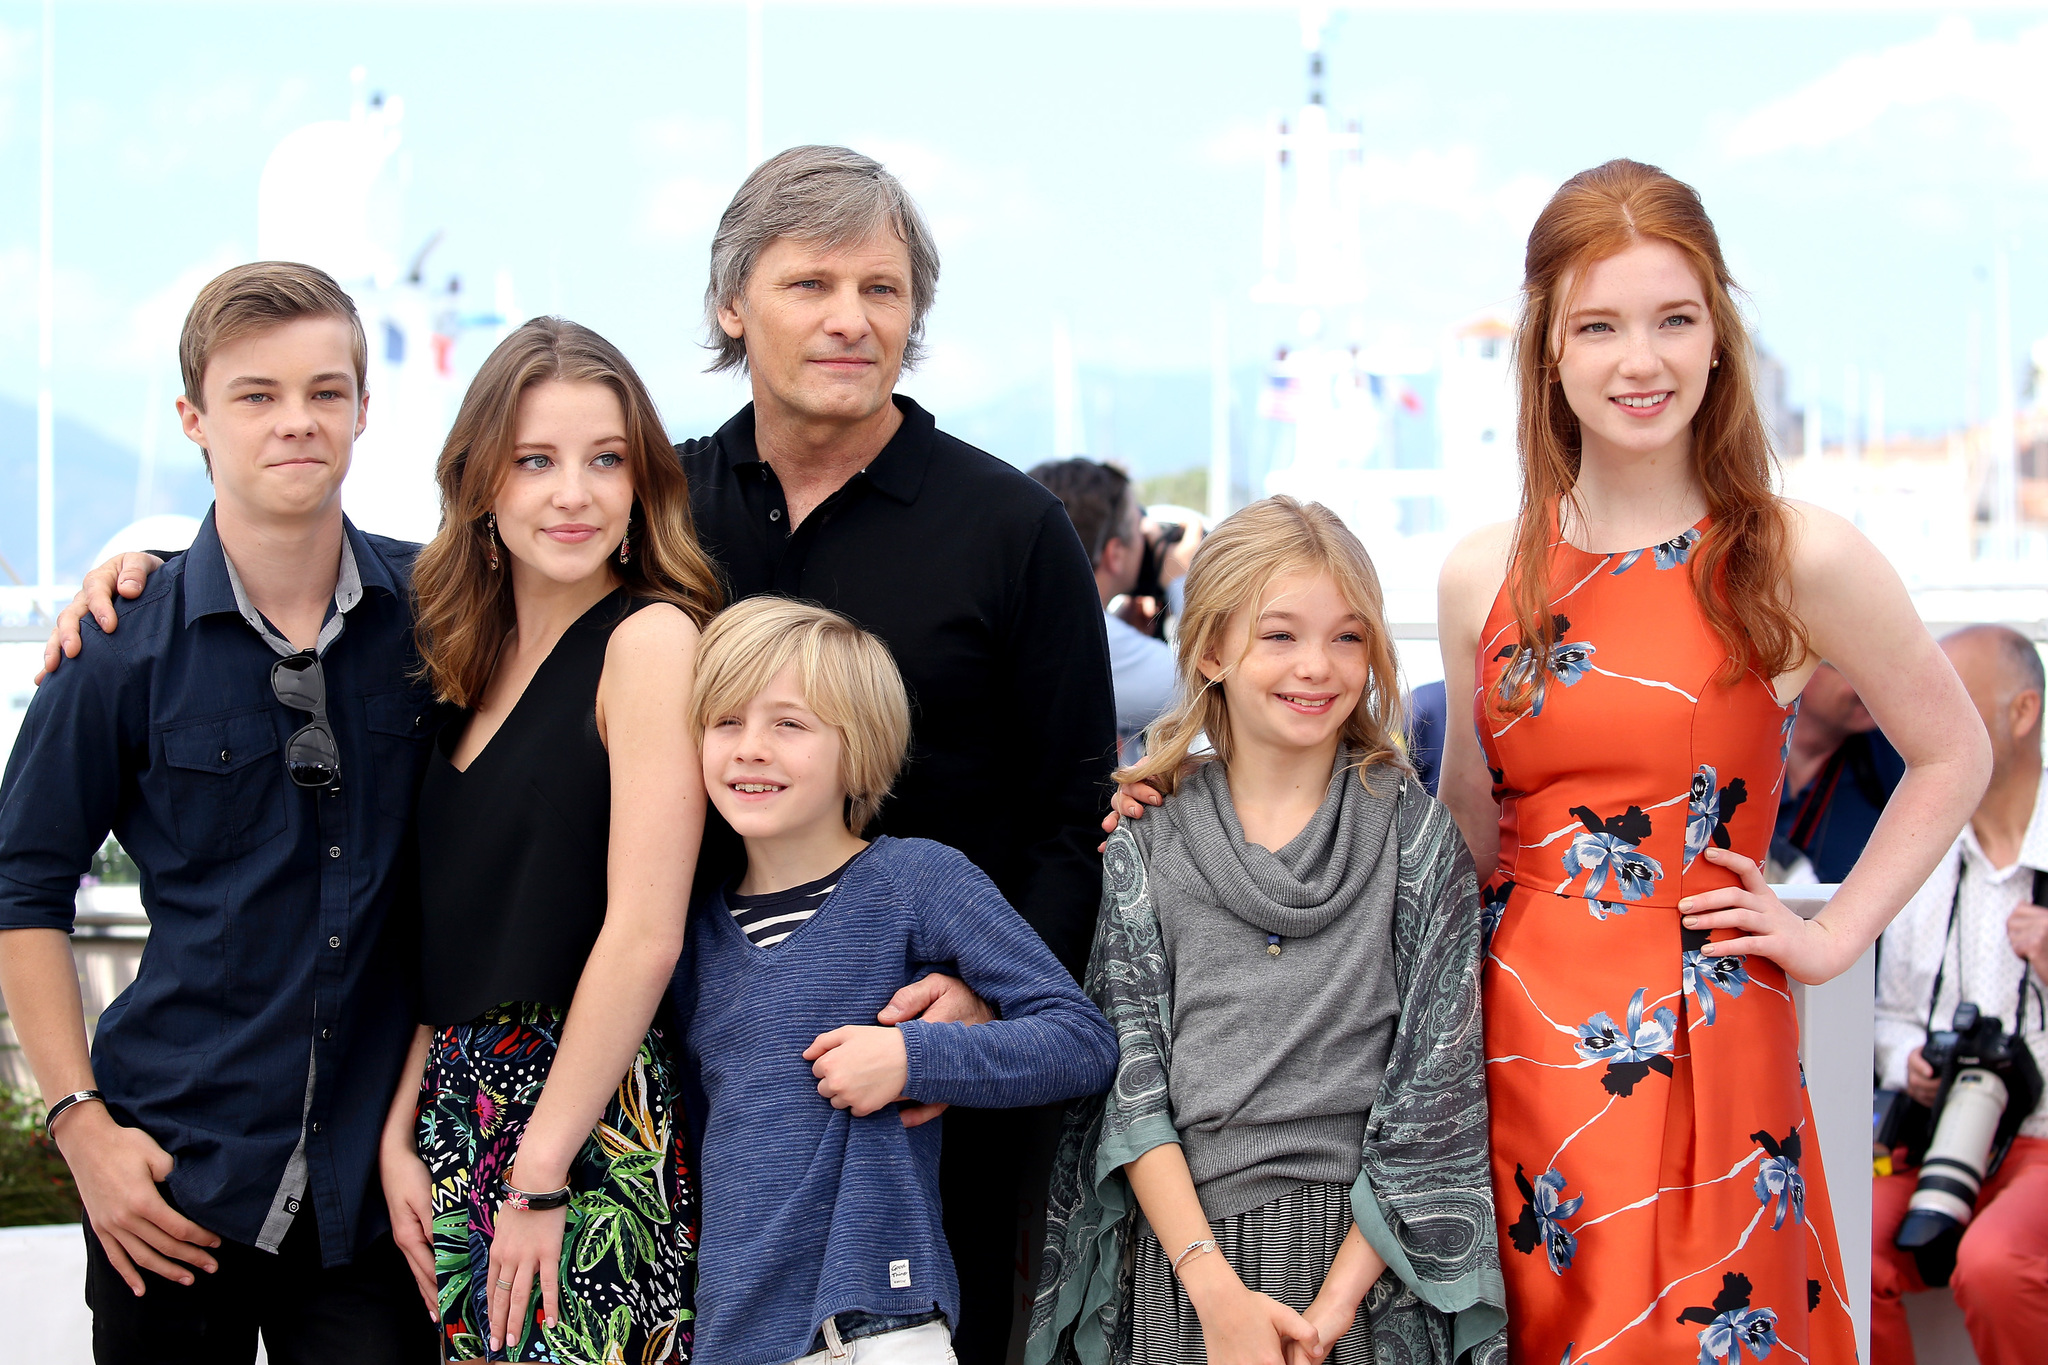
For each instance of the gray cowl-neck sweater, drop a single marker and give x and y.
(1275, 1060)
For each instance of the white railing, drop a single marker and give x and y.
(1837, 1049)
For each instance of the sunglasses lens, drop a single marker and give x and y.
(310, 757)
(299, 683)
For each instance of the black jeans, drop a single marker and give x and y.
(368, 1311)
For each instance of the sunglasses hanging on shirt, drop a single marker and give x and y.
(311, 756)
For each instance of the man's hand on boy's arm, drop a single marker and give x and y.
(861, 1067)
(125, 574)
(936, 999)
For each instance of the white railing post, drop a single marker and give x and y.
(1837, 1047)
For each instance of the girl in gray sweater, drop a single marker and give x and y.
(1292, 1164)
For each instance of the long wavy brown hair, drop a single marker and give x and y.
(462, 606)
(1741, 563)
(1265, 540)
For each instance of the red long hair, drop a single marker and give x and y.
(1740, 565)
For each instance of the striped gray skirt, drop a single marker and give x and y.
(1282, 1249)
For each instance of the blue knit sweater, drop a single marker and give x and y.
(809, 1211)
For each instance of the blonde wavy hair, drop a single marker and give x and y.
(1237, 562)
(847, 676)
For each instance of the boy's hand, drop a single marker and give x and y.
(860, 1067)
(117, 1170)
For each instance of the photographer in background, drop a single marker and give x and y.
(1973, 933)
(1839, 773)
(1139, 561)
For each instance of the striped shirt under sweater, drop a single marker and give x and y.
(808, 1211)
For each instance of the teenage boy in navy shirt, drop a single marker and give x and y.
(253, 736)
(822, 1236)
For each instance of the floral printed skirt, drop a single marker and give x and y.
(631, 1240)
(1656, 1172)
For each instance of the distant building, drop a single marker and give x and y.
(1476, 424)
(1784, 422)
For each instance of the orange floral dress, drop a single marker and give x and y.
(1655, 1167)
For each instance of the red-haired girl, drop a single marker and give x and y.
(1634, 644)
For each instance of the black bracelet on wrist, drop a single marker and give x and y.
(516, 1198)
(57, 1110)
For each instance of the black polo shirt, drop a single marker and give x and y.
(972, 574)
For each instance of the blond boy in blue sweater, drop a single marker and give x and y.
(822, 1238)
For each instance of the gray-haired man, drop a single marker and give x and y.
(831, 486)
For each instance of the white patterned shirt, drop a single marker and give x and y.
(1981, 965)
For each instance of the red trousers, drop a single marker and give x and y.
(2001, 1275)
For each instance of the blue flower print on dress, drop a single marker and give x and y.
(1785, 733)
(1732, 1326)
(1570, 660)
(1778, 1177)
(1700, 976)
(1493, 903)
(1633, 1052)
(1600, 910)
(1542, 1219)
(1708, 811)
(1610, 846)
(1668, 554)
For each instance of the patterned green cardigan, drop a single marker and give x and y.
(1423, 1198)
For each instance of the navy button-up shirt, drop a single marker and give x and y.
(282, 942)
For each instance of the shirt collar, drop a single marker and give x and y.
(212, 585)
(2033, 854)
(897, 471)
(2034, 846)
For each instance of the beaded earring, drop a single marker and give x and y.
(491, 533)
(625, 547)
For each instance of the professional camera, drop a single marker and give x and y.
(1989, 1085)
(1153, 564)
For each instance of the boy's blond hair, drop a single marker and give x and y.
(846, 675)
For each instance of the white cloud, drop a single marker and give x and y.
(1453, 180)
(694, 167)
(1949, 66)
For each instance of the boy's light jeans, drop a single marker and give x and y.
(928, 1343)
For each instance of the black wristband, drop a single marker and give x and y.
(516, 1198)
(57, 1109)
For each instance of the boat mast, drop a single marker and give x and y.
(46, 327)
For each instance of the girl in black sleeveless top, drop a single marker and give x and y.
(533, 1159)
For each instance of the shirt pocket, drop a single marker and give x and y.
(227, 783)
(400, 724)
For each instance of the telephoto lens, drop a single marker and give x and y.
(1956, 1159)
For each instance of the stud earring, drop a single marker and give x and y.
(491, 533)
(1716, 365)
(625, 547)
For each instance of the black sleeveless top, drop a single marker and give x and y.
(513, 849)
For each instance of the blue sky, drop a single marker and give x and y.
(1095, 162)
